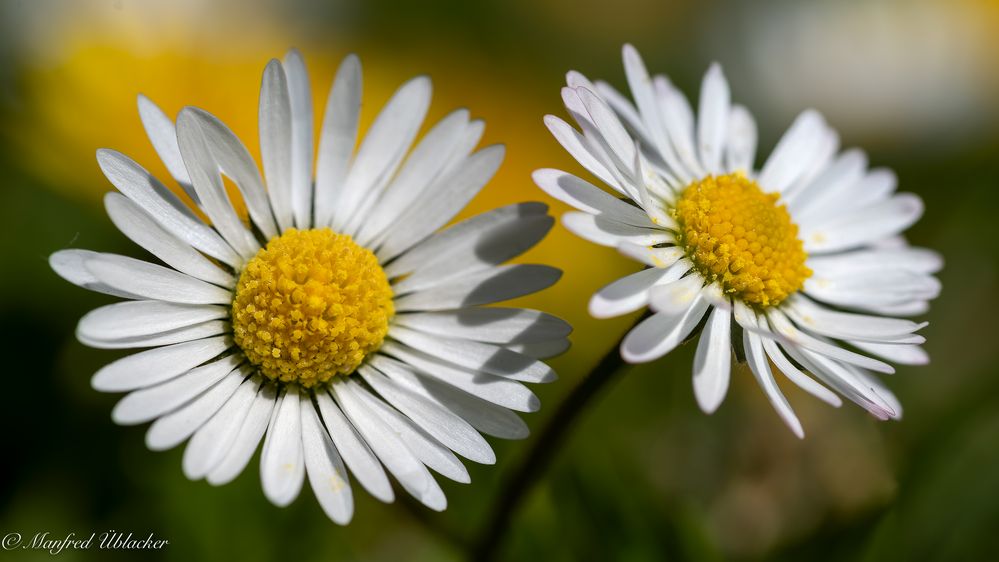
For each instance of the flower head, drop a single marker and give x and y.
(337, 319)
(805, 253)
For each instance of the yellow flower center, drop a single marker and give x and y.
(310, 305)
(741, 238)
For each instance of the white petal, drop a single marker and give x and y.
(488, 324)
(631, 292)
(151, 281)
(172, 429)
(786, 329)
(477, 356)
(301, 140)
(607, 232)
(188, 333)
(444, 199)
(825, 191)
(498, 390)
(381, 151)
(863, 226)
(905, 354)
(213, 440)
(740, 144)
(484, 287)
(327, 474)
(276, 140)
(452, 431)
(235, 161)
(142, 229)
(131, 319)
(761, 369)
(541, 350)
(916, 260)
(843, 378)
(140, 186)
(676, 297)
(843, 325)
(356, 454)
(581, 149)
(462, 237)
(645, 99)
(282, 462)
(713, 361)
(422, 166)
(161, 132)
(428, 450)
(247, 439)
(71, 266)
(678, 119)
(484, 416)
(589, 198)
(790, 157)
(651, 256)
(803, 381)
(481, 251)
(336, 141)
(712, 122)
(149, 403)
(204, 172)
(157, 365)
(661, 333)
(388, 446)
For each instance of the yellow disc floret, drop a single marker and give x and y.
(741, 238)
(310, 305)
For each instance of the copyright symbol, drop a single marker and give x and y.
(11, 541)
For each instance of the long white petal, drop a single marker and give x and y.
(381, 151)
(163, 135)
(498, 390)
(488, 324)
(661, 333)
(712, 119)
(761, 369)
(452, 431)
(276, 141)
(212, 441)
(355, 452)
(631, 292)
(301, 140)
(327, 474)
(157, 365)
(483, 287)
(477, 356)
(436, 249)
(172, 429)
(149, 403)
(130, 319)
(282, 462)
(204, 172)
(337, 139)
(247, 439)
(153, 281)
(140, 186)
(713, 361)
(142, 229)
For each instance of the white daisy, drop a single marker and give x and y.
(341, 323)
(805, 252)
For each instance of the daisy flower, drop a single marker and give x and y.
(339, 322)
(804, 253)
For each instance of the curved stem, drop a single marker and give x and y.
(541, 453)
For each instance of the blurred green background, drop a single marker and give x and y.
(644, 475)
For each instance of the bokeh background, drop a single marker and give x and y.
(643, 475)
